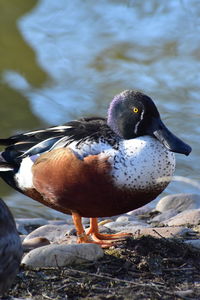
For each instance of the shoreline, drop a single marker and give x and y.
(160, 261)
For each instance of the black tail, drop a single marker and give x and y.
(4, 165)
(6, 142)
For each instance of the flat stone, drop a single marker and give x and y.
(194, 243)
(179, 202)
(164, 216)
(164, 232)
(35, 243)
(128, 226)
(62, 255)
(53, 233)
(187, 217)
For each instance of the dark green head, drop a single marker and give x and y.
(132, 114)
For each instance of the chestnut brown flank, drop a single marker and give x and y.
(66, 183)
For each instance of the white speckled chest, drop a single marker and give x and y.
(141, 164)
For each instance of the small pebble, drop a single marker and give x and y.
(53, 233)
(35, 243)
(126, 218)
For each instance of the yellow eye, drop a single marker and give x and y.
(135, 110)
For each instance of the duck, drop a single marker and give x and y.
(95, 167)
(10, 249)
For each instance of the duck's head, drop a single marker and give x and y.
(132, 114)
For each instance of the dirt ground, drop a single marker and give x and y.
(143, 268)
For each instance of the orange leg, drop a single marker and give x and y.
(80, 231)
(96, 236)
(85, 238)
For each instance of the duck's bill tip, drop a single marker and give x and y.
(170, 141)
(181, 148)
(188, 150)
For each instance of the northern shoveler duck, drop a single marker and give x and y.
(95, 167)
(10, 249)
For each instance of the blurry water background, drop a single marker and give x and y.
(60, 60)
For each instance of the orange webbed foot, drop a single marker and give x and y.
(93, 236)
(87, 238)
(107, 238)
(84, 238)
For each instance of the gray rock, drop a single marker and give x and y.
(194, 243)
(126, 218)
(62, 255)
(53, 233)
(128, 226)
(187, 217)
(166, 232)
(164, 216)
(179, 202)
(141, 210)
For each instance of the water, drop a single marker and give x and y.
(64, 59)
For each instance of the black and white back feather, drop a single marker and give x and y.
(86, 130)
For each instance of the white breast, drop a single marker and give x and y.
(141, 163)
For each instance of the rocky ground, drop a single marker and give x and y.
(160, 261)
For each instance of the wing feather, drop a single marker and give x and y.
(39, 141)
